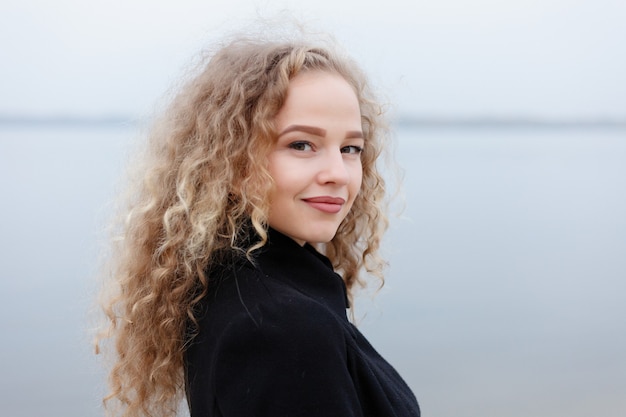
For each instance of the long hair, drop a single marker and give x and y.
(204, 181)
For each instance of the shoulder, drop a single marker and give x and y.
(266, 347)
(245, 302)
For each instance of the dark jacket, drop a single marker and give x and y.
(274, 341)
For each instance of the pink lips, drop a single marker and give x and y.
(326, 204)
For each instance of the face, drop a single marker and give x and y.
(316, 161)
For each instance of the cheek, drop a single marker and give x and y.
(356, 182)
(274, 169)
(283, 182)
(358, 176)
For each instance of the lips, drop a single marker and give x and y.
(326, 204)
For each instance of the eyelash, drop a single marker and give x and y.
(357, 149)
(299, 144)
(350, 149)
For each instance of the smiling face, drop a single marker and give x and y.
(316, 161)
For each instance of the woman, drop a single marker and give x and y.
(260, 180)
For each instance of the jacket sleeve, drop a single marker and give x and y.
(291, 361)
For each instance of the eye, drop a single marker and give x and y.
(301, 146)
(352, 149)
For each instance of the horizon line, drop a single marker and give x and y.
(413, 121)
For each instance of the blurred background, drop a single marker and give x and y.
(506, 292)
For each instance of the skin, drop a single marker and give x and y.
(315, 162)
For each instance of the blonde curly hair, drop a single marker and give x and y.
(204, 181)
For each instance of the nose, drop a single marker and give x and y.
(334, 169)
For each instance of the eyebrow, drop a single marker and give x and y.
(318, 131)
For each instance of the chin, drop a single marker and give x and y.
(323, 237)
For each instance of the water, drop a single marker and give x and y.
(511, 269)
(505, 296)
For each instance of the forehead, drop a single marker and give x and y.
(320, 97)
(320, 80)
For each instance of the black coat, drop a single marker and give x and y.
(274, 341)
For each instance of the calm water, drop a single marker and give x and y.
(506, 294)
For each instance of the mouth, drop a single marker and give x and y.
(326, 204)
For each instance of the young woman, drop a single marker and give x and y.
(260, 182)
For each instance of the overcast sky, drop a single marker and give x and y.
(441, 58)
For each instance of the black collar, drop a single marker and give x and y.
(302, 267)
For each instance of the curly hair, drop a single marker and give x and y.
(204, 181)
